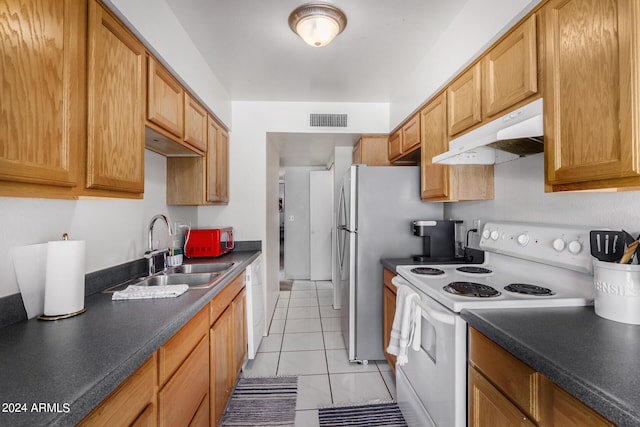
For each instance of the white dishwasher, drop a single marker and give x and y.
(255, 306)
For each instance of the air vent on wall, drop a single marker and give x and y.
(328, 120)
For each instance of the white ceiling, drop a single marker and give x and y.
(255, 55)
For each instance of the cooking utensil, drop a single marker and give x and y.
(609, 246)
(629, 253)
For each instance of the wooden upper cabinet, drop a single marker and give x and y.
(464, 101)
(592, 94)
(395, 145)
(165, 99)
(195, 123)
(371, 150)
(42, 101)
(404, 143)
(411, 134)
(116, 101)
(509, 70)
(217, 164)
(448, 182)
(434, 178)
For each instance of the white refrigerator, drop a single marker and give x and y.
(375, 209)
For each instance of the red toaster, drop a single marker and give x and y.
(209, 242)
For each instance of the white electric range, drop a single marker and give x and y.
(526, 266)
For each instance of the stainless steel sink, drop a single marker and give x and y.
(201, 268)
(196, 280)
(197, 276)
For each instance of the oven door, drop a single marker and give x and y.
(435, 378)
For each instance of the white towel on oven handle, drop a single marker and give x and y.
(406, 327)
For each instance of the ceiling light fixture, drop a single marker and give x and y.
(317, 23)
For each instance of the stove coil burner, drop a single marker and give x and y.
(474, 270)
(527, 289)
(427, 271)
(471, 289)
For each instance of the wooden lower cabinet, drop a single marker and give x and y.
(389, 311)
(489, 407)
(504, 391)
(220, 358)
(228, 350)
(179, 401)
(132, 403)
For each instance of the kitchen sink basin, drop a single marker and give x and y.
(197, 280)
(197, 276)
(201, 268)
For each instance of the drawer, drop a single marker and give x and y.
(512, 377)
(224, 298)
(181, 398)
(175, 351)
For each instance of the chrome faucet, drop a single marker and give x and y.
(151, 253)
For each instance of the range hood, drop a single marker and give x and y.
(509, 137)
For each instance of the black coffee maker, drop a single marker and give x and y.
(442, 239)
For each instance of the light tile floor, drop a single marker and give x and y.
(305, 339)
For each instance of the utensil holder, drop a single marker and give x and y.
(617, 291)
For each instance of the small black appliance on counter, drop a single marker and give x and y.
(442, 240)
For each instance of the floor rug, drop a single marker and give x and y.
(377, 414)
(262, 402)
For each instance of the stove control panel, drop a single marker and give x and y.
(563, 246)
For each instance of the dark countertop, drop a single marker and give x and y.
(595, 359)
(476, 257)
(73, 364)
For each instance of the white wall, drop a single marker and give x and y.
(471, 32)
(251, 171)
(115, 230)
(520, 196)
(157, 27)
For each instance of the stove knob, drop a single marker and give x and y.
(495, 235)
(575, 247)
(486, 234)
(523, 239)
(559, 244)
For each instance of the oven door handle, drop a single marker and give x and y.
(427, 312)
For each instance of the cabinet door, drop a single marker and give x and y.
(411, 134)
(435, 178)
(592, 93)
(488, 407)
(239, 333)
(389, 312)
(464, 101)
(165, 99)
(510, 69)
(195, 123)
(42, 101)
(217, 164)
(116, 91)
(395, 145)
(220, 363)
(180, 399)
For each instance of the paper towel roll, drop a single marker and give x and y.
(64, 287)
(30, 263)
